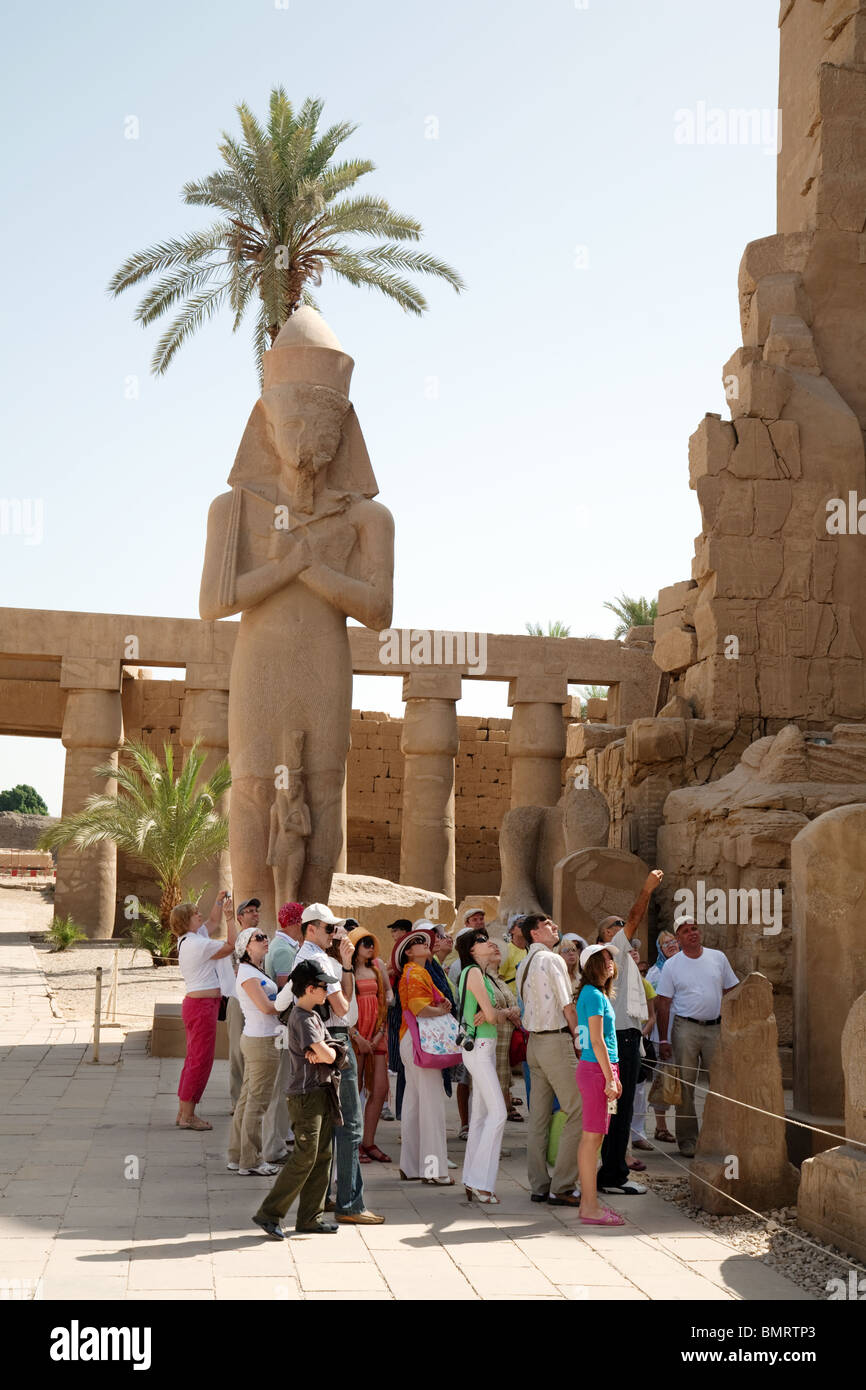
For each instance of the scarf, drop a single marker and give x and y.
(440, 979)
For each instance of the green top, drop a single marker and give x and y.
(470, 1007)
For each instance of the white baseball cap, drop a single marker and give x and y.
(319, 912)
(591, 950)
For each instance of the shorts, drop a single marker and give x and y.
(591, 1083)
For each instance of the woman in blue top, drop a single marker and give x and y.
(480, 1016)
(597, 1074)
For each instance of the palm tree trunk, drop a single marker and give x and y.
(171, 896)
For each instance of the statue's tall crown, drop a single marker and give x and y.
(306, 350)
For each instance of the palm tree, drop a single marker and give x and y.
(167, 822)
(632, 612)
(554, 629)
(282, 225)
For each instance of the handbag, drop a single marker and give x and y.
(666, 1088)
(437, 1046)
(517, 1047)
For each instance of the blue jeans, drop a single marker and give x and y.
(350, 1183)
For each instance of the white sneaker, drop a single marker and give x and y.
(233, 1167)
(264, 1170)
(451, 1165)
(628, 1189)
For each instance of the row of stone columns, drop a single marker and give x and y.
(93, 733)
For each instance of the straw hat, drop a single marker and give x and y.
(360, 933)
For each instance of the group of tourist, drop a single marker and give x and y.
(316, 1019)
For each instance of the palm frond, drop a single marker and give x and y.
(196, 311)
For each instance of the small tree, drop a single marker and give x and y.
(632, 612)
(23, 798)
(167, 822)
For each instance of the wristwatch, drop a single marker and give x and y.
(347, 970)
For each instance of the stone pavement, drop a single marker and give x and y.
(103, 1198)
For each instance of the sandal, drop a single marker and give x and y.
(195, 1123)
(641, 1144)
(515, 1118)
(464, 1132)
(438, 1182)
(664, 1136)
(610, 1218)
(373, 1152)
(363, 1156)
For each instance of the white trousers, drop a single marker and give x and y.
(423, 1148)
(487, 1118)
(638, 1114)
(275, 1126)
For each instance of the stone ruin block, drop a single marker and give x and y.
(755, 387)
(753, 455)
(829, 886)
(745, 567)
(594, 883)
(783, 293)
(745, 1068)
(676, 650)
(790, 344)
(832, 1198)
(710, 448)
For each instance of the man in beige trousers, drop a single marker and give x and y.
(550, 1018)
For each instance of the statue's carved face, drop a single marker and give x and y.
(305, 424)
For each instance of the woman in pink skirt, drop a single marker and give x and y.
(597, 1074)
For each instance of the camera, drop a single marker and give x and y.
(465, 1039)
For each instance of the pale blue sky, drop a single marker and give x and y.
(530, 436)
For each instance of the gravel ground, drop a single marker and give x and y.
(778, 1241)
(71, 974)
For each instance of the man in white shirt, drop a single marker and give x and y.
(693, 982)
(549, 1016)
(318, 927)
(630, 1009)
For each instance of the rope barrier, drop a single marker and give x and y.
(773, 1225)
(786, 1119)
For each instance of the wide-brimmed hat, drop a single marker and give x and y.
(591, 950)
(359, 934)
(399, 952)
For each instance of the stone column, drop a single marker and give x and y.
(92, 733)
(205, 716)
(429, 745)
(536, 745)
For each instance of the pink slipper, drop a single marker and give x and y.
(610, 1218)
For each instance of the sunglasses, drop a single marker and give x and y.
(366, 941)
(330, 928)
(259, 936)
(414, 941)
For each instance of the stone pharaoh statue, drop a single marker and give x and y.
(297, 546)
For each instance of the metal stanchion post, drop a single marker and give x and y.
(97, 1011)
